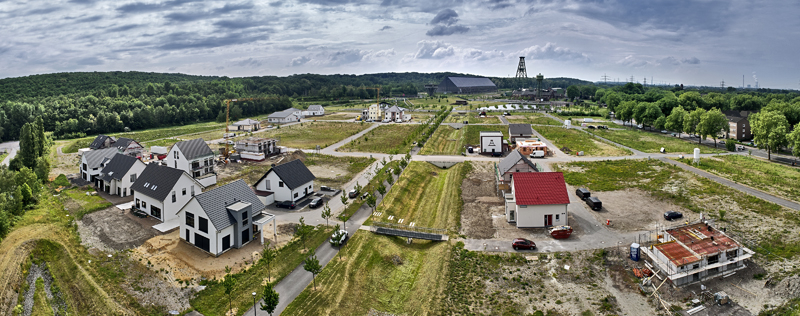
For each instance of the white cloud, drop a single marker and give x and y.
(299, 61)
(477, 54)
(553, 52)
(433, 50)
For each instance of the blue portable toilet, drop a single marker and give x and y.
(635, 252)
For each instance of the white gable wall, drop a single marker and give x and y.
(283, 193)
(533, 215)
(176, 159)
(213, 238)
(491, 144)
(169, 209)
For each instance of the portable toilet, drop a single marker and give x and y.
(635, 252)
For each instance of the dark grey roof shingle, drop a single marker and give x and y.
(214, 202)
(122, 143)
(516, 129)
(512, 159)
(157, 181)
(95, 157)
(118, 167)
(194, 148)
(315, 107)
(100, 141)
(293, 173)
(284, 113)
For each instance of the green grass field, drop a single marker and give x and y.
(213, 301)
(531, 118)
(425, 195)
(381, 176)
(450, 141)
(310, 134)
(652, 143)
(578, 141)
(336, 116)
(472, 118)
(351, 165)
(374, 272)
(387, 139)
(145, 136)
(88, 203)
(767, 176)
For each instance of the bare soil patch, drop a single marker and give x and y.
(481, 201)
(633, 210)
(112, 230)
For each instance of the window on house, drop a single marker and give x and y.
(183, 191)
(84, 167)
(189, 219)
(731, 254)
(280, 184)
(696, 266)
(173, 197)
(192, 191)
(557, 217)
(203, 223)
(175, 154)
(266, 184)
(713, 259)
(244, 218)
(133, 178)
(295, 195)
(125, 192)
(144, 204)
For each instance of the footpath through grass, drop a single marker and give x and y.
(213, 300)
(387, 139)
(425, 195)
(381, 176)
(450, 141)
(652, 142)
(577, 141)
(744, 214)
(382, 273)
(308, 135)
(783, 181)
(150, 134)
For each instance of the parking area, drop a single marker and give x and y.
(301, 205)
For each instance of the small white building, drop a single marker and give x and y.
(196, 158)
(492, 142)
(514, 162)
(291, 181)
(227, 217)
(162, 191)
(537, 199)
(395, 113)
(93, 162)
(120, 173)
(286, 116)
(314, 110)
(247, 125)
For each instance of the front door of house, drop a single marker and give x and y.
(548, 220)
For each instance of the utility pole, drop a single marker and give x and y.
(605, 79)
(645, 81)
(722, 84)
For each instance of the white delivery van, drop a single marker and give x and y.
(537, 154)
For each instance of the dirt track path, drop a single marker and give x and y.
(16, 247)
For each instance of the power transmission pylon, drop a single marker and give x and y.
(605, 79)
(722, 84)
(521, 72)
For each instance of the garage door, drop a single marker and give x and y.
(202, 242)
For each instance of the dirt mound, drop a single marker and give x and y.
(287, 229)
(789, 287)
(565, 150)
(298, 154)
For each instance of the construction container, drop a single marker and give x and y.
(635, 252)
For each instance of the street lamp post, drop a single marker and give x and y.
(254, 303)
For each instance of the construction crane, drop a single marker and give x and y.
(228, 118)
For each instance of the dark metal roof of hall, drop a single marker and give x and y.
(463, 82)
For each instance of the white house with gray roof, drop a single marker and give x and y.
(227, 217)
(291, 181)
(93, 162)
(286, 116)
(120, 173)
(514, 162)
(162, 191)
(196, 158)
(314, 110)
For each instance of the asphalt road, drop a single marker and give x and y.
(12, 148)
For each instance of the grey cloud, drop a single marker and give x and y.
(89, 61)
(172, 68)
(385, 27)
(669, 61)
(124, 28)
(228, 8)
(691, 61)
(342, 57)
(446, 17)
(141, 7)
(442, 30)
(299, 61)
(202, 15)
(43, 11)
(219, 68)
(551, 51)
(184, 40)
(83, 1)
(237, 24)
(250, 62)
(91, 19)
(498, 4)
(276, 4)
(433, 50)
(478, 54)
(631, 61)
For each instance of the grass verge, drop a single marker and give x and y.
(387, 139)
(576, 141)
(381, 273)
(308, 135)
(531, 118)
(380, 177)
(652, 143)
(88, 203)
(213, 300)
(450, 141)
(472, 118)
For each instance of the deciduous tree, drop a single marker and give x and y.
(691, 120)
(711, 123)
(311, 264)
(675, 120)
(270, 298)
(769, 130)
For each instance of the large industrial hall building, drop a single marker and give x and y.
(466, 85)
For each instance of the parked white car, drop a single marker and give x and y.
(537, 154)
(338, 238)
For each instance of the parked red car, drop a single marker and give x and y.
(522, 243)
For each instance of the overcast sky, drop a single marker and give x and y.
(698, 42)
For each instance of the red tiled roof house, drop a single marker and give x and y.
(537, 199)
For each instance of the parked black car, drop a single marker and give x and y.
(594, 203)
(286, 204)
(583, 193)
(317, 202)
(591, 127)
(352, 194)
(670, 215)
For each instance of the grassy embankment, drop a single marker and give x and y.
(652, 143)
(375, 272)
(387, 139)
(381, 176)
(214, 301)
(450, 141)
(773, 178)
(41, 307)
(149, 135)
(771, 230)
(577, 141)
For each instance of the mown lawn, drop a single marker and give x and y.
(531, 118)
(450, 141)
(336, 116)
(387, 139)
(381, 273)
(425, 195)
(308, 135)
(151, 134)
(745, 214)
(577, 141)
(214, 301)
(472, 118)
(770, 177)
(652, 143)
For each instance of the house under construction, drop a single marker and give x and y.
(694, 252)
